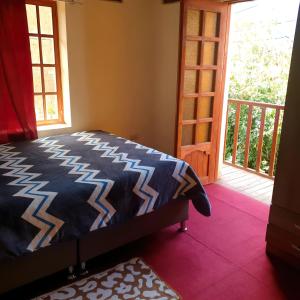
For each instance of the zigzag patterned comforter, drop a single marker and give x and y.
(62, 187)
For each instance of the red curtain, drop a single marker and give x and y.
(17, 115)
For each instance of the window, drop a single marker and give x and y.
(43, 34)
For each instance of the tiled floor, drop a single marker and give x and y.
(255, 186)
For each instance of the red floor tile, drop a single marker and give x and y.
(221, 257)
(237, 286)
(239, 201)
(239, 237)
(188, 266)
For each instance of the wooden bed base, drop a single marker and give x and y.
(20, 271)
(25, 269)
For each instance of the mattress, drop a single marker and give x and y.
(59, 188)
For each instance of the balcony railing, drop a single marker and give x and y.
(252, 136)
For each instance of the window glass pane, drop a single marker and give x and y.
(31, 18)
(192, 53)
(46, 20)
(208, 81)
(50, 79)
(190, 81)
(51, 107)
(34, 49)
(205, 109)
(193, 22)
(39, 107)
(204, 133)
(48, 51)
(188, 135)
(210, 52)
(212, 24)
(189, 109)
(37, 79)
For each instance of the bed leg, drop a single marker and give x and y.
(183, 226)
(71, 273)
(83, 269)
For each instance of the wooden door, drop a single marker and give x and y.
(204, 38)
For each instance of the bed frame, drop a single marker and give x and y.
(25, 269)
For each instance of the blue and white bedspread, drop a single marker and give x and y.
(61, 187)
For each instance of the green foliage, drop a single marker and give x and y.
(259, 72)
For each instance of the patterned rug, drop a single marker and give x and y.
(130, 280)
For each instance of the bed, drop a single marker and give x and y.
(66, 199)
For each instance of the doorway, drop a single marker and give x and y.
(260, 47)
(225, 117)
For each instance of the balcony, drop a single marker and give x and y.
(251, 147)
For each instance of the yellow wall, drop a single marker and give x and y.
(165, 50)
(123, 69)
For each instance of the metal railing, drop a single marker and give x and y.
(246, 132)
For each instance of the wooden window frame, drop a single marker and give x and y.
(52, 4)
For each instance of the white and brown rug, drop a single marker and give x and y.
(130, 280)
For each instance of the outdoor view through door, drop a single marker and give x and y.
(260, 47)
(201, 88)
